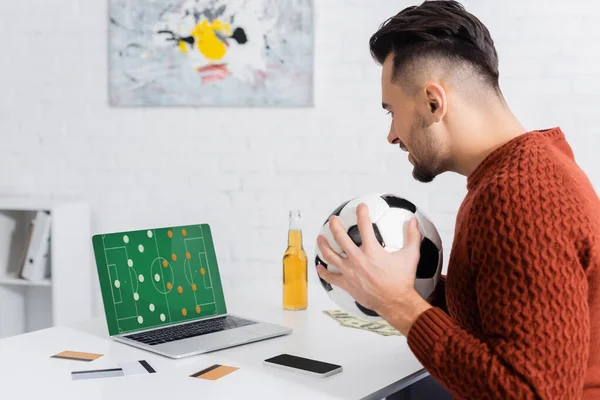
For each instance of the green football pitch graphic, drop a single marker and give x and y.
(155, 277)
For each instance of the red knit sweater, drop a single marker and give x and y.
(520, 317)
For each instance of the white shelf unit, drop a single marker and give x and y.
(66, 296)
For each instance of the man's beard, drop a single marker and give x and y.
(422, 174)
(424, 141)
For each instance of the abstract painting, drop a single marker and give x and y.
(211, 53)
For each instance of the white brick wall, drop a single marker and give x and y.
(241, 172)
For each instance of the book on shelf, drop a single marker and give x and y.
(35, 265)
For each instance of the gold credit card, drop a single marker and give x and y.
(77, 355)
(214, 372)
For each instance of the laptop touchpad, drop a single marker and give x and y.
(261, 329)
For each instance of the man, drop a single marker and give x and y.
(518, 314)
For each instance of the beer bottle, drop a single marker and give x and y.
(295, 267)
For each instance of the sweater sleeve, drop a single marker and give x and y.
(532, 302)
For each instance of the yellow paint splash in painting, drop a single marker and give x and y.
(207, 41)
(183, 47)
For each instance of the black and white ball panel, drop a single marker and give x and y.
(326, 232)
(399, 202)
(424, 285)
(429, 260)
(427, 228)
(390, 223)
(354, 234)
(343, 297)
(377, 206)
(336, 211)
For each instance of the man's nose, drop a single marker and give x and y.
(391, 137)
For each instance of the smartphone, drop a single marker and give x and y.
(303, 365)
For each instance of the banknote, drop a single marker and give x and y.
(348, 320)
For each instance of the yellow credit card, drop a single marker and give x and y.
(77, 355)
(214, 372)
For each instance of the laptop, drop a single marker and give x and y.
(162, 292)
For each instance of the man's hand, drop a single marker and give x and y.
(377, 279)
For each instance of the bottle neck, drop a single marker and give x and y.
(295, 238)
(295, 230)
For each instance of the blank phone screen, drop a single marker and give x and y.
(306, 364)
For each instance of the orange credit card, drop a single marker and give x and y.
(214, 372)
(77, 355)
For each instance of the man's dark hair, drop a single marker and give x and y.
(440, 29)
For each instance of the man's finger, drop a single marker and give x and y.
(333, 278)
(329, 256)
(413, 236)
(365, 226)
(341, 237)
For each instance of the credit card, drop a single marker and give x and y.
(214, 372)
(96, 374)
(77, 355)
(136, 367)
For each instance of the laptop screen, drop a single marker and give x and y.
(156, 277)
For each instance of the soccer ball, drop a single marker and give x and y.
(390, 215)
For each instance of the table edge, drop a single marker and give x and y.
(397, 386)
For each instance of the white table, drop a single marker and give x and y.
(374, 366)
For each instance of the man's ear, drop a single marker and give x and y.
(435, 96)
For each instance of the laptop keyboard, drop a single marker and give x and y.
(178, 332)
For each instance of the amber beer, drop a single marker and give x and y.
(295, 267)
